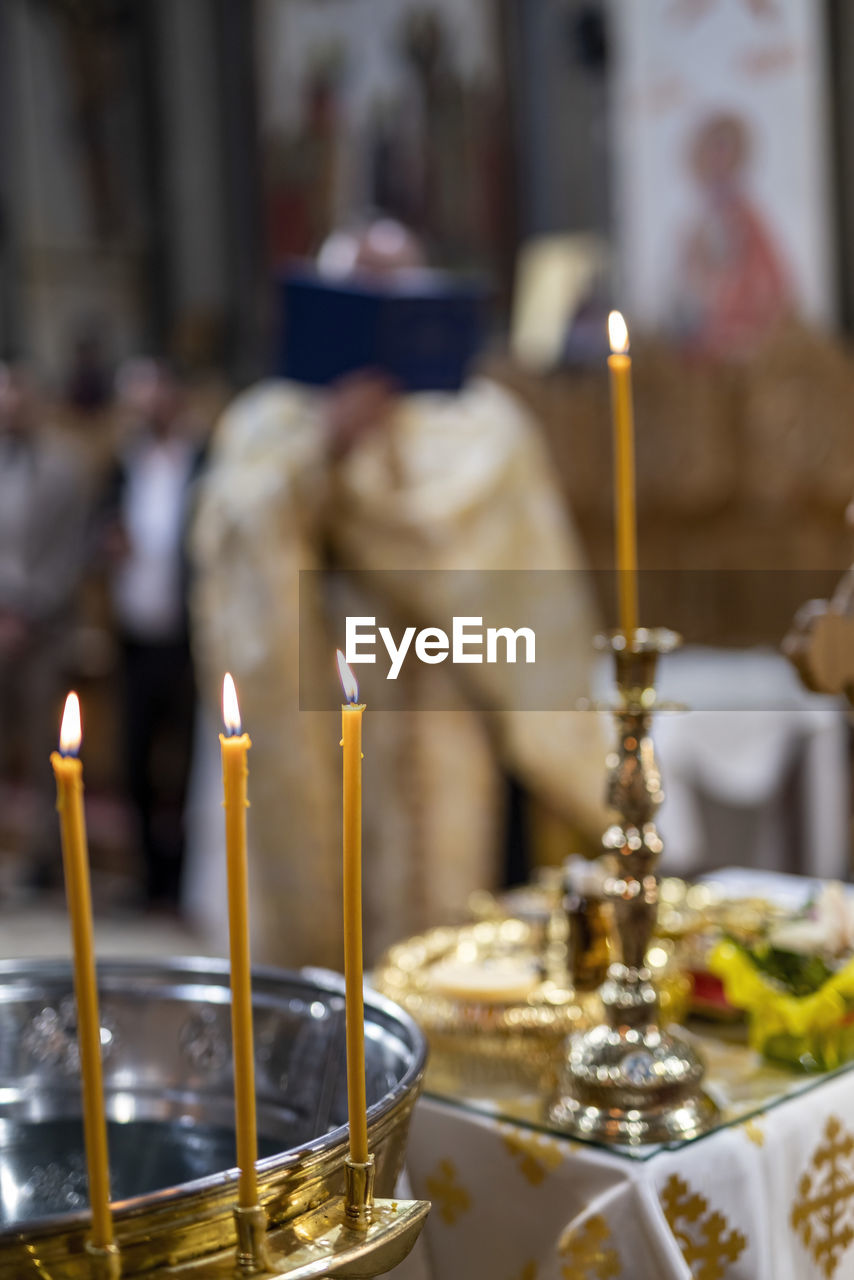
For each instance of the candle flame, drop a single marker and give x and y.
(348, 680)
(230, 709)
(70, 733)
(618, 333)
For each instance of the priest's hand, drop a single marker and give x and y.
(356, 405)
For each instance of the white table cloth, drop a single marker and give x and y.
(770, 1198)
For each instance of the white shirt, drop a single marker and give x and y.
(147, 586)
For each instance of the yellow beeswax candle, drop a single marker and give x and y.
(622, 413)
(351, 741)
(68, 771)
(235, 770)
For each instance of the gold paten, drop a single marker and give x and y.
(483, 1045)
(487, 1041)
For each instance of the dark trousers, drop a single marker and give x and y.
(31, 699)
(159, 710)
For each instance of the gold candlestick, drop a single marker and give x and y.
(630, 1080)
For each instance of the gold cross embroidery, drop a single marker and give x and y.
(537, 1155)
(822, 1211)
(450, 1195)
(588, 1251)
(708, 1244)
(753, 1130)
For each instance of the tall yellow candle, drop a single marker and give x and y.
(235, 770)
(68, 771)
(351, 741)
(622, 413)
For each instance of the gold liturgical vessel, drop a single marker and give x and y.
(169, 1107)
(630, 1080)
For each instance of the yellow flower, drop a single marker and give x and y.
(774, 1012)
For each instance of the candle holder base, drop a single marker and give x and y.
(632, 1084)
(252, 1255)
(104, 1261)
(359, 1200)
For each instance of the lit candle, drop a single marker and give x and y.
(351, 741)
(235, 746)
(68, 771)
(622, 412)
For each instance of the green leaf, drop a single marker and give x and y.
(797, 973)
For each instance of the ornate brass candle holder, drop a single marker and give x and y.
(629, 1080)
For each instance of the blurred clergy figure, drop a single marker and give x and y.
(356, 476)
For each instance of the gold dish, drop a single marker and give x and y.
(489, 1041)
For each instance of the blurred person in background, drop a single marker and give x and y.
(88, 389)
(44, 512)
(147, 510)
(361, 475)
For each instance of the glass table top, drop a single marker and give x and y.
(742, 1083)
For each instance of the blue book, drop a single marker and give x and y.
(423, 330)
